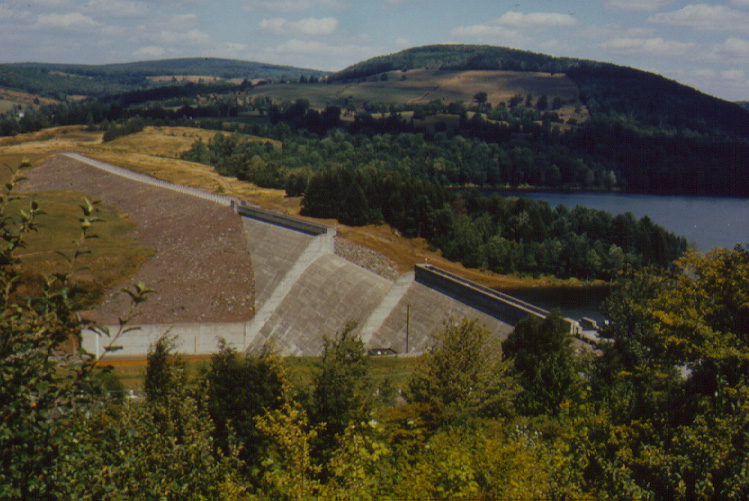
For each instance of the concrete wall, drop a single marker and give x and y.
(274, 251)
(192, 339)
(497, 304)
(330, 292)
(425, 310)
(286, 221)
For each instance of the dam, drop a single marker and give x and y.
(304, 291)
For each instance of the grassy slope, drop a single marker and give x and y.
(423, 86)
(110, 257)
(300, 370)
(96, 80)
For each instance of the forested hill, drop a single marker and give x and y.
(457, 58)
(59, 80)
(645, 100)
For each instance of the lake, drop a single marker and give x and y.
(706, 222)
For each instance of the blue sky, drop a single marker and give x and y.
(704, 45)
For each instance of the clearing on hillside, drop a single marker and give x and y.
(423, 86)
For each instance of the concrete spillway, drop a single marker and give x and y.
(419, 313)
(330, 293)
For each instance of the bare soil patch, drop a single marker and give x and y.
(201, 269)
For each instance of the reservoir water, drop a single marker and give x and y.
(706, 222)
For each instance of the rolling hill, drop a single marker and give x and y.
(60, 80)
(651, 100)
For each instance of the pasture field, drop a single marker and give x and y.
(11, 97)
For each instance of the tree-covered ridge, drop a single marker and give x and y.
(656, 102)
(60, 80)
(650, 100)
(507, 146)
(458, 58)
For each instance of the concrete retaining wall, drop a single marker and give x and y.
(422, 311)
(330, 292)
(286, 221)
(501, 306)
(192, 339)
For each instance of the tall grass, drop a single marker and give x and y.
(111, 257)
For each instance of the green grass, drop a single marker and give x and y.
(300, 371)
(110, 257)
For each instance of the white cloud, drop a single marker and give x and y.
(733, 75)
(294, 46)
(534, 20)
(485, 32)
(311, 53)
(191, 38)
(118, 8)
(289, 5)
(649, 47)
(309, 26)
(274, 25)
(736, 47)
(235, 47)
(52, 4)
(704, 17)
(608, 31)
(183, 22)
(402, 42)
(10, 12)
(509, 27)
(639, 5)
(66, 21)
(740, 3)
(149, 51)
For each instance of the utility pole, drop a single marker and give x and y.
(408, 318)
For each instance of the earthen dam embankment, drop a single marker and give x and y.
(303, 292)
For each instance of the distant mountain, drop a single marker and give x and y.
(59, 80)
(644, 99)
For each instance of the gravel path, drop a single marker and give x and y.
(201, 271)
(366, 258)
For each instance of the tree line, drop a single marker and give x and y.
(521, 142)
(390, 179)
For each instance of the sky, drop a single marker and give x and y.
(704, 45)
